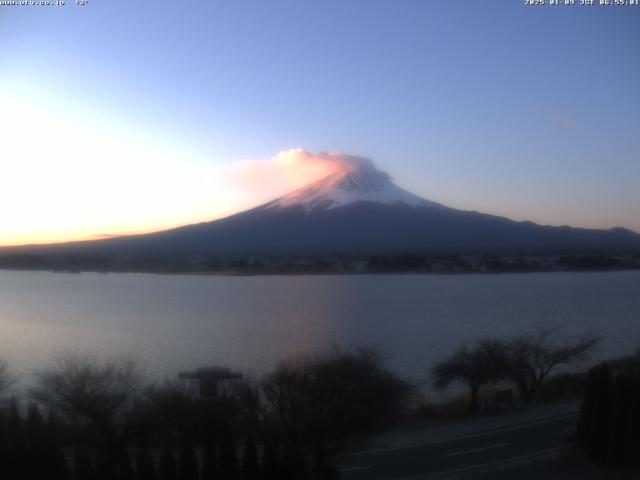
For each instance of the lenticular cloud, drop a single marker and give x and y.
(297, 167)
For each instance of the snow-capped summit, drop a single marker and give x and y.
(355, 180)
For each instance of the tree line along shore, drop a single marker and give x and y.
(327, 264)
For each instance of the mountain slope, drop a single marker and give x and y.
(357, 210)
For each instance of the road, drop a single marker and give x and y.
(493, 454)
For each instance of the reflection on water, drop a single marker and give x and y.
(178, 322)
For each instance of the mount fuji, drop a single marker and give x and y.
(356, 210)
(356, 181)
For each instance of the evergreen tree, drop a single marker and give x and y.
(36, 443)
(4, 450)
(593, 432)
(598, 450)
(18, 461)
(56, 462)
(82, 467)
(187, 463)
(610, 417)
(250, 465)
(210, 461)
(286, 468)
(620, 413)
(35, 429)
(167, 470)
(125, 470)
(145, 467)
(105, 466)
(229, 469)
(269, 464)
(584, 428)
(632, 446)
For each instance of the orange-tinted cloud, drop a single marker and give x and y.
(291, 169)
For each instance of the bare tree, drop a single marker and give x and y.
(479, 364)
(534, 355)
(314, 406)
(89, 391)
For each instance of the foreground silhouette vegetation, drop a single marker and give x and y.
(89, 419)
(106, 422)
(316, 405)
(609, 423)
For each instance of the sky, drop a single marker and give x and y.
(121, 117)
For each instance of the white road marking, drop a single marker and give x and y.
(473, 450)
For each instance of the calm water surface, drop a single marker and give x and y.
(178, 322)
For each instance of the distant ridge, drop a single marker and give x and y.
(356, 211)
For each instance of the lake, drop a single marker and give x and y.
(177, 322)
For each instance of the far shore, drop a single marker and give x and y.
(331, 264)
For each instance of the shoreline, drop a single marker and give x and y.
(298, 273)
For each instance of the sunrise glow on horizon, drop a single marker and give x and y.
(74, 177)
(108, 128)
